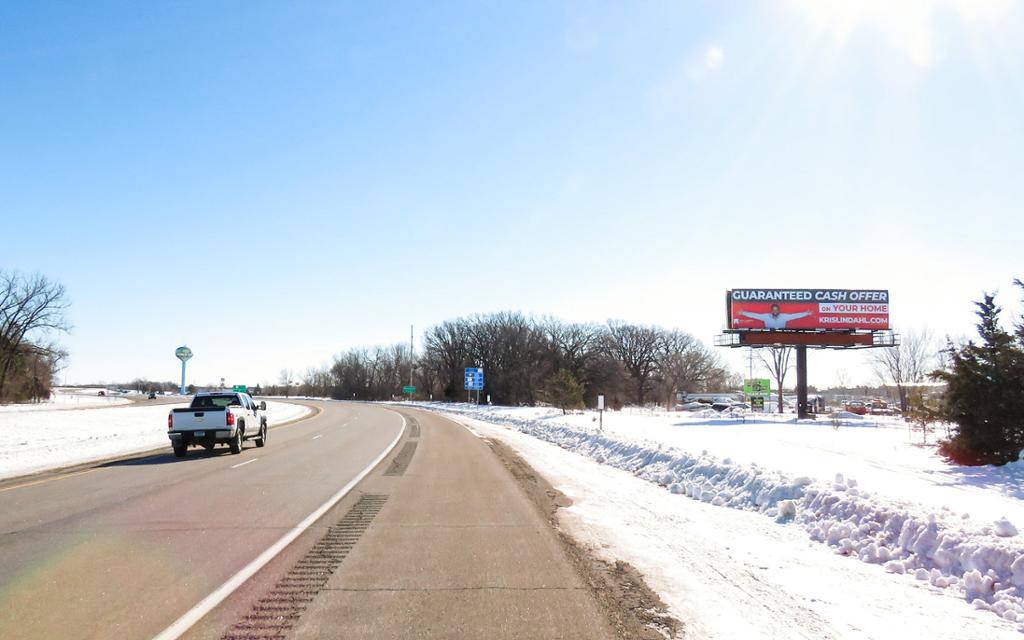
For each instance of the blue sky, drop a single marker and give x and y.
(271, 183)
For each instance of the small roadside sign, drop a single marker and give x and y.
(757, 403)
(757, 386)
(240, 388)
(600, 402)
(409, 390)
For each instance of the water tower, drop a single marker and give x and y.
(183, 354)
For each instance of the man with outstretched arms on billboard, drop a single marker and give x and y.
(775, 320)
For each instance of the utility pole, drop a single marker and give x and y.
(411, 359)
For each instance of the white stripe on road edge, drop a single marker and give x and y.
(242, 464)
(319, 436)
(193, 615)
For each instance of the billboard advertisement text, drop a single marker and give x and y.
(808, 309)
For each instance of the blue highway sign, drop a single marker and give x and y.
(474, 379)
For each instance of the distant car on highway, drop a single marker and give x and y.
(152, 395)
(217, 418)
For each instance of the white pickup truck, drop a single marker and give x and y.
(217, 418)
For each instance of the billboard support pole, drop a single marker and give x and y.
(801, 382)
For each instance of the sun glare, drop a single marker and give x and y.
(909, 26)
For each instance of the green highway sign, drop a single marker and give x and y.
(409, 390)
(757, 386)
(240, 388)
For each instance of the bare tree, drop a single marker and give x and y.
(685, 365)
(350, 375)
(31, 309)
(906, 364)
(446, 352)
(285, 378)
(511, 348)
(776, 360)
(316, 381)
(636, 347)
(573, 345)
(842, 379)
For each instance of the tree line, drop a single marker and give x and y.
(526, 360)
(33, 310)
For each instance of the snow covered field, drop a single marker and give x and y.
(742, 555)
(68, 399)
(37, 440)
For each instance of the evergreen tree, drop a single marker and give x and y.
(563, 391)
(1019, 326)
(985, 392)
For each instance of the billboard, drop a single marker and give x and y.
(807, 309)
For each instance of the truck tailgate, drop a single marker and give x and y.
(198, 419)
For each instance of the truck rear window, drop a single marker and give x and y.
(209, 402)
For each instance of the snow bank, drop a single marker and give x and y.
(986, 564)
(279, 412)
(40, 440)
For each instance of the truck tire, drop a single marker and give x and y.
(180, 452)
(262, 438)
(236, 442)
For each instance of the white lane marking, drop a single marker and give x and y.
(242, 464)
(319, 436)
(193, 615)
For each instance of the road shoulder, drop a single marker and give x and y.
(632, 608)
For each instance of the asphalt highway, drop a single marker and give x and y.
(358, 522)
